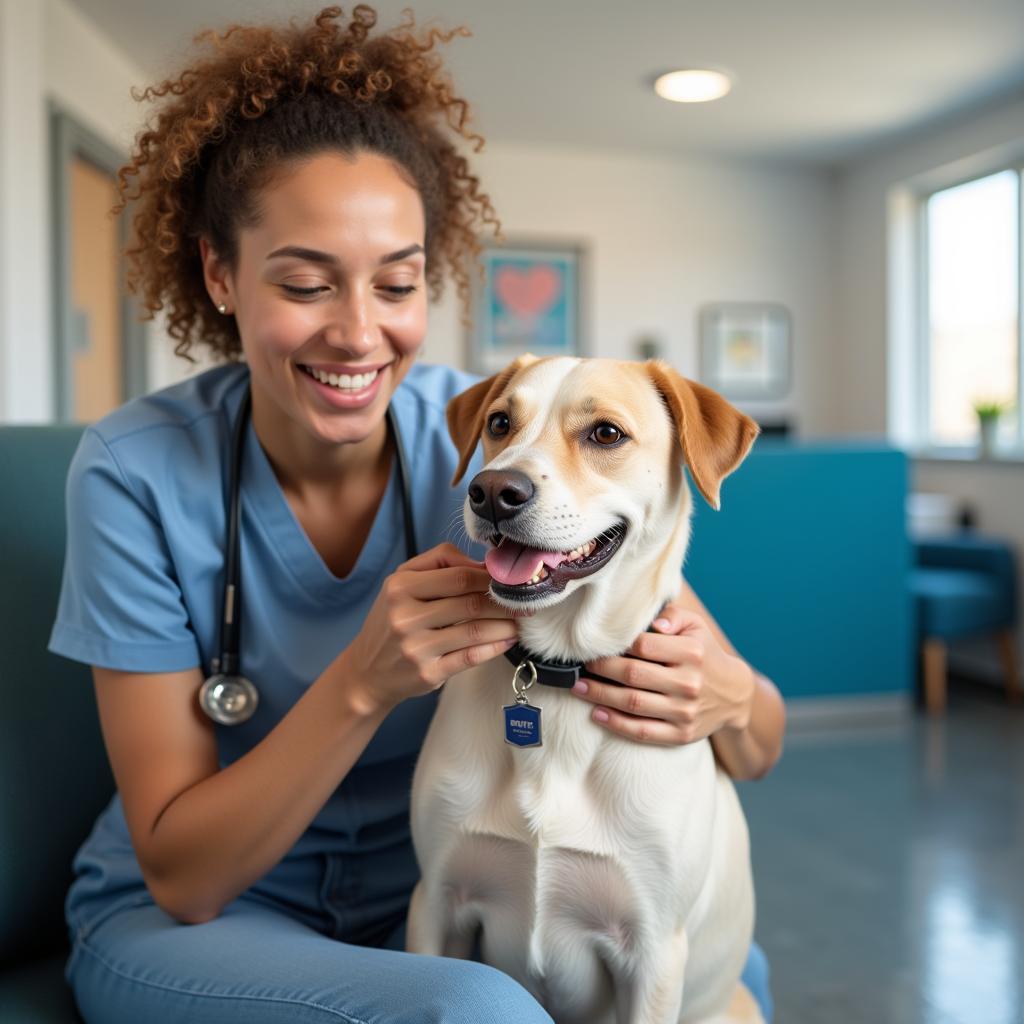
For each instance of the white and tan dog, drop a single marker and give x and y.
(611, 878)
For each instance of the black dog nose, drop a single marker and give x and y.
(499, 493)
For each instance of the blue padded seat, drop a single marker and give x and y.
(54, 770)
(964, 584)
(959, 602)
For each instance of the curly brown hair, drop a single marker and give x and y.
(266, 97)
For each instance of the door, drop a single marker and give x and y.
(99, 354)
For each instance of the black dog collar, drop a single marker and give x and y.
(562, 674)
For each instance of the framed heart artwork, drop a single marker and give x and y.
(528, 301)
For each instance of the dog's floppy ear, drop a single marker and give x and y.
(714, 435)
(466, 411)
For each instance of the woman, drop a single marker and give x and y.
(297, 193)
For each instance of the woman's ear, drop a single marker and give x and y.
(714, 435)
(216, 275)
(466, 411)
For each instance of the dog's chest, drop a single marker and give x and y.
(583, 792)
(553, 794)
(565, 857)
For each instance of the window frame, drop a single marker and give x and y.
(922, 392)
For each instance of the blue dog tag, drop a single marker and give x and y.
(522, 725)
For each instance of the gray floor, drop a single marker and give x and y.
(889, 864)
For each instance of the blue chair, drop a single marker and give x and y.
(54, 775)
(964, 585)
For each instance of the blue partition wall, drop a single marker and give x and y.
(806, 567)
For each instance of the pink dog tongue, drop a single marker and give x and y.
(516, 563)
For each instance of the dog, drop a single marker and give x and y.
(611, 878)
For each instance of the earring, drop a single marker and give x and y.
(222, 307)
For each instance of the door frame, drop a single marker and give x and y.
(69, 139)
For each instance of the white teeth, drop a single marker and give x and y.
(344, 381)
(583, 551)
(540, 573)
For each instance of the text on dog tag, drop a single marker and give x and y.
(522, 725)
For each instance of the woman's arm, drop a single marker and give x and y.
(751, 752)
(203, 834)
(687, 682)
(749, 746)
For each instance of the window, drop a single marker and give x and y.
(971, 309)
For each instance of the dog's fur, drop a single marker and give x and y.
(610, 877)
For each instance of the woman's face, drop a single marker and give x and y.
(329, 293)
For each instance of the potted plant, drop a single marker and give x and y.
(988, 413)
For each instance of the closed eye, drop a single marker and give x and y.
(292, 289)
(398, 290)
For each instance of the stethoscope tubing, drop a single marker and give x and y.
(228, 663)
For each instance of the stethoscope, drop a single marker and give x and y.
(227, 696)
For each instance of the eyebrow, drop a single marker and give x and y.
(316, 256)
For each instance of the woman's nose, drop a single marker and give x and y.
(353, 327)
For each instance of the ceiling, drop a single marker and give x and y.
(816, 81)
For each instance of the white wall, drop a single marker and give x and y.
(89, 76)
(859, 358)
(665, 236)
(24, 252)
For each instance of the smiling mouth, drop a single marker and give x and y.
(349, 382)
(521, 572)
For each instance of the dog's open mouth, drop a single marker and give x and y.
(523, 573)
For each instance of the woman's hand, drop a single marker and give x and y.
(432, 618)
(677, 688)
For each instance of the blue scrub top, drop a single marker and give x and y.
(142, 588)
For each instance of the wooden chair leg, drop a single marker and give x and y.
(934, 675)
(1008, 652)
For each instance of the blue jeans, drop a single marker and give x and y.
(256, 965)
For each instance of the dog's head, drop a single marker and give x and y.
(583, 469)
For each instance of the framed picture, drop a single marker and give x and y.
(745, 349)
(529, 301)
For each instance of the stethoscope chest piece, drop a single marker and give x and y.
(228, 699)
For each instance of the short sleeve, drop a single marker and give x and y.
(121, 606)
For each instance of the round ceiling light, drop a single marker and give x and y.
(692, 85)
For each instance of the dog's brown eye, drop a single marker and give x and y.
(498, 424)
(607, 434)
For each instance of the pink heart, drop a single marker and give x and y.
(528, 292)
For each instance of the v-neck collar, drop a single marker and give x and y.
(384, 547)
